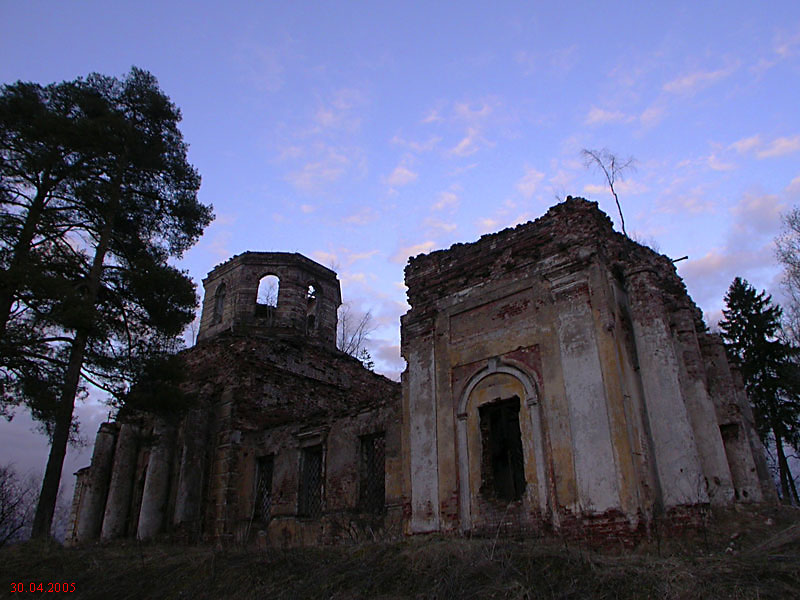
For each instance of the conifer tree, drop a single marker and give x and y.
(96, 194)
(751, 328)
(42, 156)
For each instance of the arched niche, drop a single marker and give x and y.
(499, 388)
(219, 302)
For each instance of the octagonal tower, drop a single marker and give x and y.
(271, 294)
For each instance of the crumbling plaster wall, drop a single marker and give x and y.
(617, 422)
(285, 391)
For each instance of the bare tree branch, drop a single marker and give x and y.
(16, 505)
(787, 246)
(613, 168)
(353, 330)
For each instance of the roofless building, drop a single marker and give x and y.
(559, 379)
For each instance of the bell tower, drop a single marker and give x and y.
(271, 294)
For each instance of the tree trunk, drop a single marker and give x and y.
(19, 259)
(792, 486)
(43, 518)
(783, 468)
(788, 487)
(619, 208)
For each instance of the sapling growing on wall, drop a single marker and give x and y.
(613, 168)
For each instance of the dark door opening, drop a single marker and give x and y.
(502, 461)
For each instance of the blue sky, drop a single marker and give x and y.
(359, 133)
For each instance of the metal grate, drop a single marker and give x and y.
(372, 491)
(310, 498)
(263, 505)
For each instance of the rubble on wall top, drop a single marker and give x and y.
(576, 227)
(571, 207)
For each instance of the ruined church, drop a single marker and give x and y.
(559, 380)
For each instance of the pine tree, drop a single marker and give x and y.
(751, 329)
(43, 154)
(96, 195)
(366, 359)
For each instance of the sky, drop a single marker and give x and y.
(362, 133)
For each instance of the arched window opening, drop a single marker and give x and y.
(502, 461)
(219, 303)
(268, 291)
(312, 299)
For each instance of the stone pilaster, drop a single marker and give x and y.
(766, 484)
(420, 414)
(192, 468)
(593, 453)
(677, 462)
(741, 457)
(700, 408)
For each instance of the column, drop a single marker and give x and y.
(93, 501)
(156, 483)
(121, 485)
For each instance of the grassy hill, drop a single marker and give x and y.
(738, 555)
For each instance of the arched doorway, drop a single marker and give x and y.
(500, 446)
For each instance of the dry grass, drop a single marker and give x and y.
(741, 555)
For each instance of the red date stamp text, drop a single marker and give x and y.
(20, 587)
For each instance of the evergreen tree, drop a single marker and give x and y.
(751, 329)
(42, 156)
(108, 308)
(366, 359)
